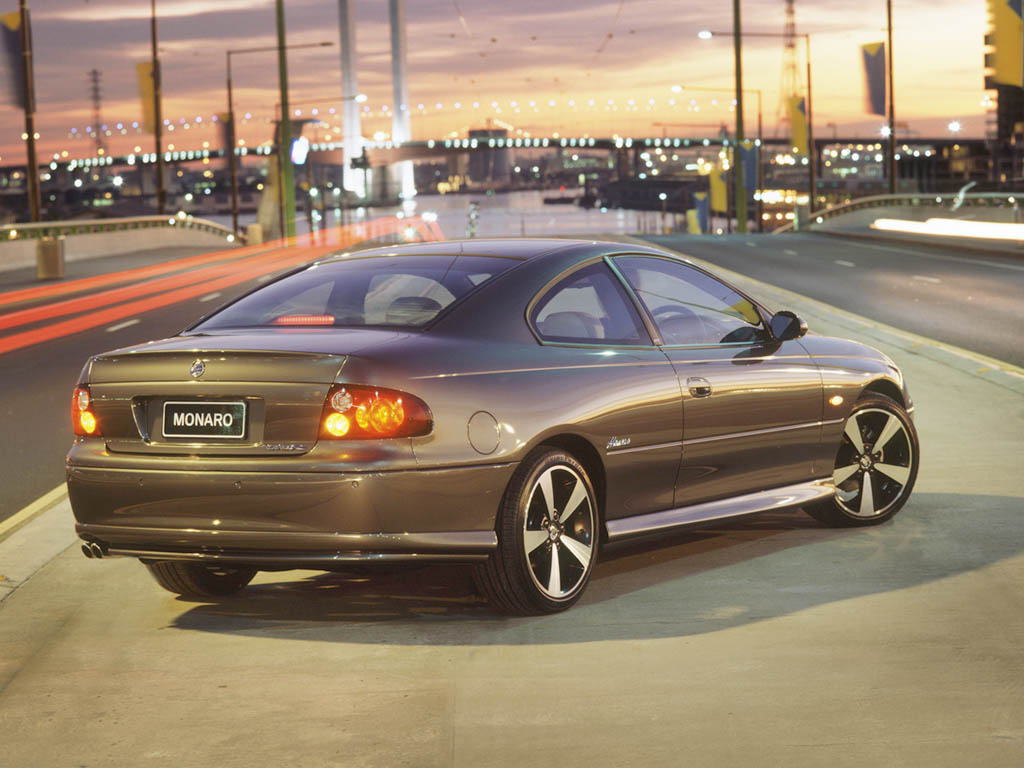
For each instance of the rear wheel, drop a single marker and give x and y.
(876, 465)
(547, 537)
(194, 580)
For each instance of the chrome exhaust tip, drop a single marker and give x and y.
(96, 549)
(87, 551)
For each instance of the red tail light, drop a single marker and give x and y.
(83, 420)
(354, 412)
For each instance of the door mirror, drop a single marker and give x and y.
(785, 325)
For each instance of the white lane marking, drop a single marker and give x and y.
(751, 243)
(44, 502)
(942, 257)
(927, 279)
(843, 263)
(210, 296)
(125, 324)
(790, 253)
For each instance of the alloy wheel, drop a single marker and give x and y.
(558, 532)
(874, 464)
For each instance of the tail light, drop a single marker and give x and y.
(354, 412)
(83, 420)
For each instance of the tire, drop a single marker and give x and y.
(886, 459)
(543, 563)
(195, 581)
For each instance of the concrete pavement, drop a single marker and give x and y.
(771, 641)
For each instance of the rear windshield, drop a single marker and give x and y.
(378, 291)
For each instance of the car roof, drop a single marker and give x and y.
(517, 248)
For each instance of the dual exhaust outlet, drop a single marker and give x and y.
(93, 550)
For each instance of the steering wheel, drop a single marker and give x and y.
(667, 311)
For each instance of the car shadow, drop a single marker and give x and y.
(694, 582)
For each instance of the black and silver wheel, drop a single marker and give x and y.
(197, 581)
(876, 465)
(547, 537)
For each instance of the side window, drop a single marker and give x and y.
(690, 307)
(589, 306)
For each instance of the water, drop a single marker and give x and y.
(499, 215)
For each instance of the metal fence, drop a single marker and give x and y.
(97, 226)
(957, 201)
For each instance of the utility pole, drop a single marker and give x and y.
(32, 162)
(284, 147)
(891, 160)
(741, 188)
(158, 121)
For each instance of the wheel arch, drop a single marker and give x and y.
(588, 456)
(885, 387)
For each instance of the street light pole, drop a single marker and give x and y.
(284, 154)
(740, 188)
(158, 123)
(230, 149)
(232, 135)
(811, 165)
(760, 143)
(812, 152)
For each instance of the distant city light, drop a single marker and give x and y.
(705, 34)
(885, 131)
(954, 126)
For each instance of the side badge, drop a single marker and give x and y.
(618, 442)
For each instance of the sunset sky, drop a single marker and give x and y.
(504, 52)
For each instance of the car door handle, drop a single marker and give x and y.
(699, 387)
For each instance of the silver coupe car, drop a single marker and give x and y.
(518, 404)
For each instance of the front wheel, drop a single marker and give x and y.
(547, 537)
(196, 581)
(876, 465)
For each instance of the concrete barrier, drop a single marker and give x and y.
(21, 252)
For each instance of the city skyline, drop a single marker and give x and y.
(561, 58)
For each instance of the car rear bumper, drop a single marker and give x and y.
(282, 519)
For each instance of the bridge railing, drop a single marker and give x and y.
(953, 201)
(43, 229)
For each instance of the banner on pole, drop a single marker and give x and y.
(144, 72)
(697, 218)
(14, 61)
(874, 76)
(1006, 32)
(798, 124)
(718, 188)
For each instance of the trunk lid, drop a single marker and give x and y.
(279, 394)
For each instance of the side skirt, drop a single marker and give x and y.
(736, 506)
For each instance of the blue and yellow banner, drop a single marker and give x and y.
(719, 190)
(798, 124)
(144, 72)
(1006, 31)
(14, 64)
(874, 76)
(698, 218)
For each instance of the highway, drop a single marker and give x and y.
(970, 301)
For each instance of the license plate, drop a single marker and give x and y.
(213, 420)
